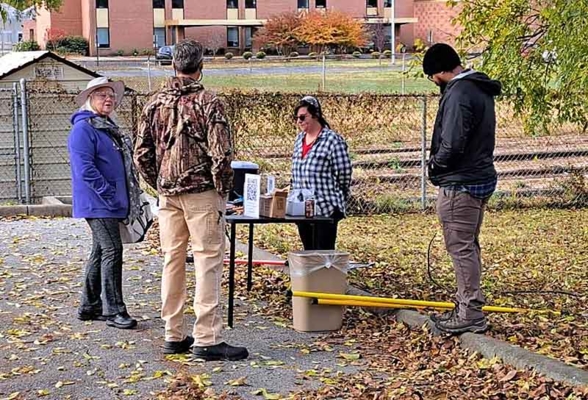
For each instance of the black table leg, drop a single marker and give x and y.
(232, 274)
(250, 259)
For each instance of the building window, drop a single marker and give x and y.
(249, 33)
(388, 3)
(232, 36)
(159, 37)
(302, 3)
(372, 3)
(103, 37)
(232, 3)
(250, 3)
(177, 3)
(31, 34)
(158, 3)
(321, 3)
(101, 3)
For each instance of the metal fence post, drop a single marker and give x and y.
(424, 156)
(15, 124)
(25, 140)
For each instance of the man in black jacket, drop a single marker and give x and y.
(462, 165)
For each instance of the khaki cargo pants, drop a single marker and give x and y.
(198, 217)
(461, 216)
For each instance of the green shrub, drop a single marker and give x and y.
(120, 53)
(312, 54)
(135, 52)
(30, 45)
(356, 54)
(69, 45)
(247, 55)
(376, 54)
(147, 52)
(228, 55)
(294, 54)
(63, 51)
(261, 55)
(387, 53)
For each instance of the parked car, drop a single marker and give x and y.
(165, 54)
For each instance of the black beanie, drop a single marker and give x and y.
(440, 57)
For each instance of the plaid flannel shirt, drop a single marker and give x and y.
(477, 190)
(326, 170)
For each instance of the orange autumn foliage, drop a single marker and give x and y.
(332, 28)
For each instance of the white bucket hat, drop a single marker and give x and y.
(101, 82)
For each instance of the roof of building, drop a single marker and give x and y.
(17, 60)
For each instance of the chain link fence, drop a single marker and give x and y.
(8, 147)
(387, 136)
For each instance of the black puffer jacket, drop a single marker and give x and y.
(464, 134)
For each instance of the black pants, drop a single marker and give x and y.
(320, 236)
(102, 292)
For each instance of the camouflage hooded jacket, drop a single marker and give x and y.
(184, 141)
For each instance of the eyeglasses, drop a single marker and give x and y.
(104, 96)
(300, 118)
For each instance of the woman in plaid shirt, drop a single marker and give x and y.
(320, 162)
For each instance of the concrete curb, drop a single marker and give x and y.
(489, 347)
(50, 207)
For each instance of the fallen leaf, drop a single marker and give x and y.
(237, 382)
(509, 376)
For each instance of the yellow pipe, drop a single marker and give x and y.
(369, 304)
(417, 303)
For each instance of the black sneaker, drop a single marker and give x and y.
(220, 351)
(178, 347)
(443, 316)
(121, 321)
(91, 316)
(456, 325)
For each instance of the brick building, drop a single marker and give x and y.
(115, 25)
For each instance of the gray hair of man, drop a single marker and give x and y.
(188, 56)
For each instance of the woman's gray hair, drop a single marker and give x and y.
(188, 56)
(88, 107)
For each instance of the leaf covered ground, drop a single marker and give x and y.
(46, 353)
(529, 250)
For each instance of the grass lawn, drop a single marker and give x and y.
(521, 250)
(375, 80)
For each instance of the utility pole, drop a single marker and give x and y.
(97, 49)
(393, 31)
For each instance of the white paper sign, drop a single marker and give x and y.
(271, 184)
(251, 194)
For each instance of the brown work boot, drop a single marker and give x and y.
(456, 325)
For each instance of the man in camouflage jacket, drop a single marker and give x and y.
(184, 150)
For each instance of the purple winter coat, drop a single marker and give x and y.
(99, 184)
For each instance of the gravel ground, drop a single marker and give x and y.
(46, 352)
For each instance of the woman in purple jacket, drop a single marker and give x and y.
(104, 190)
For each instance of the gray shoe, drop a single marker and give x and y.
(443, 316)
(457, 325)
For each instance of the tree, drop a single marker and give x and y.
(538, 50)
(214, 43)
(379, 33)
(331, 29)
(24, 4)
(279, 32)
